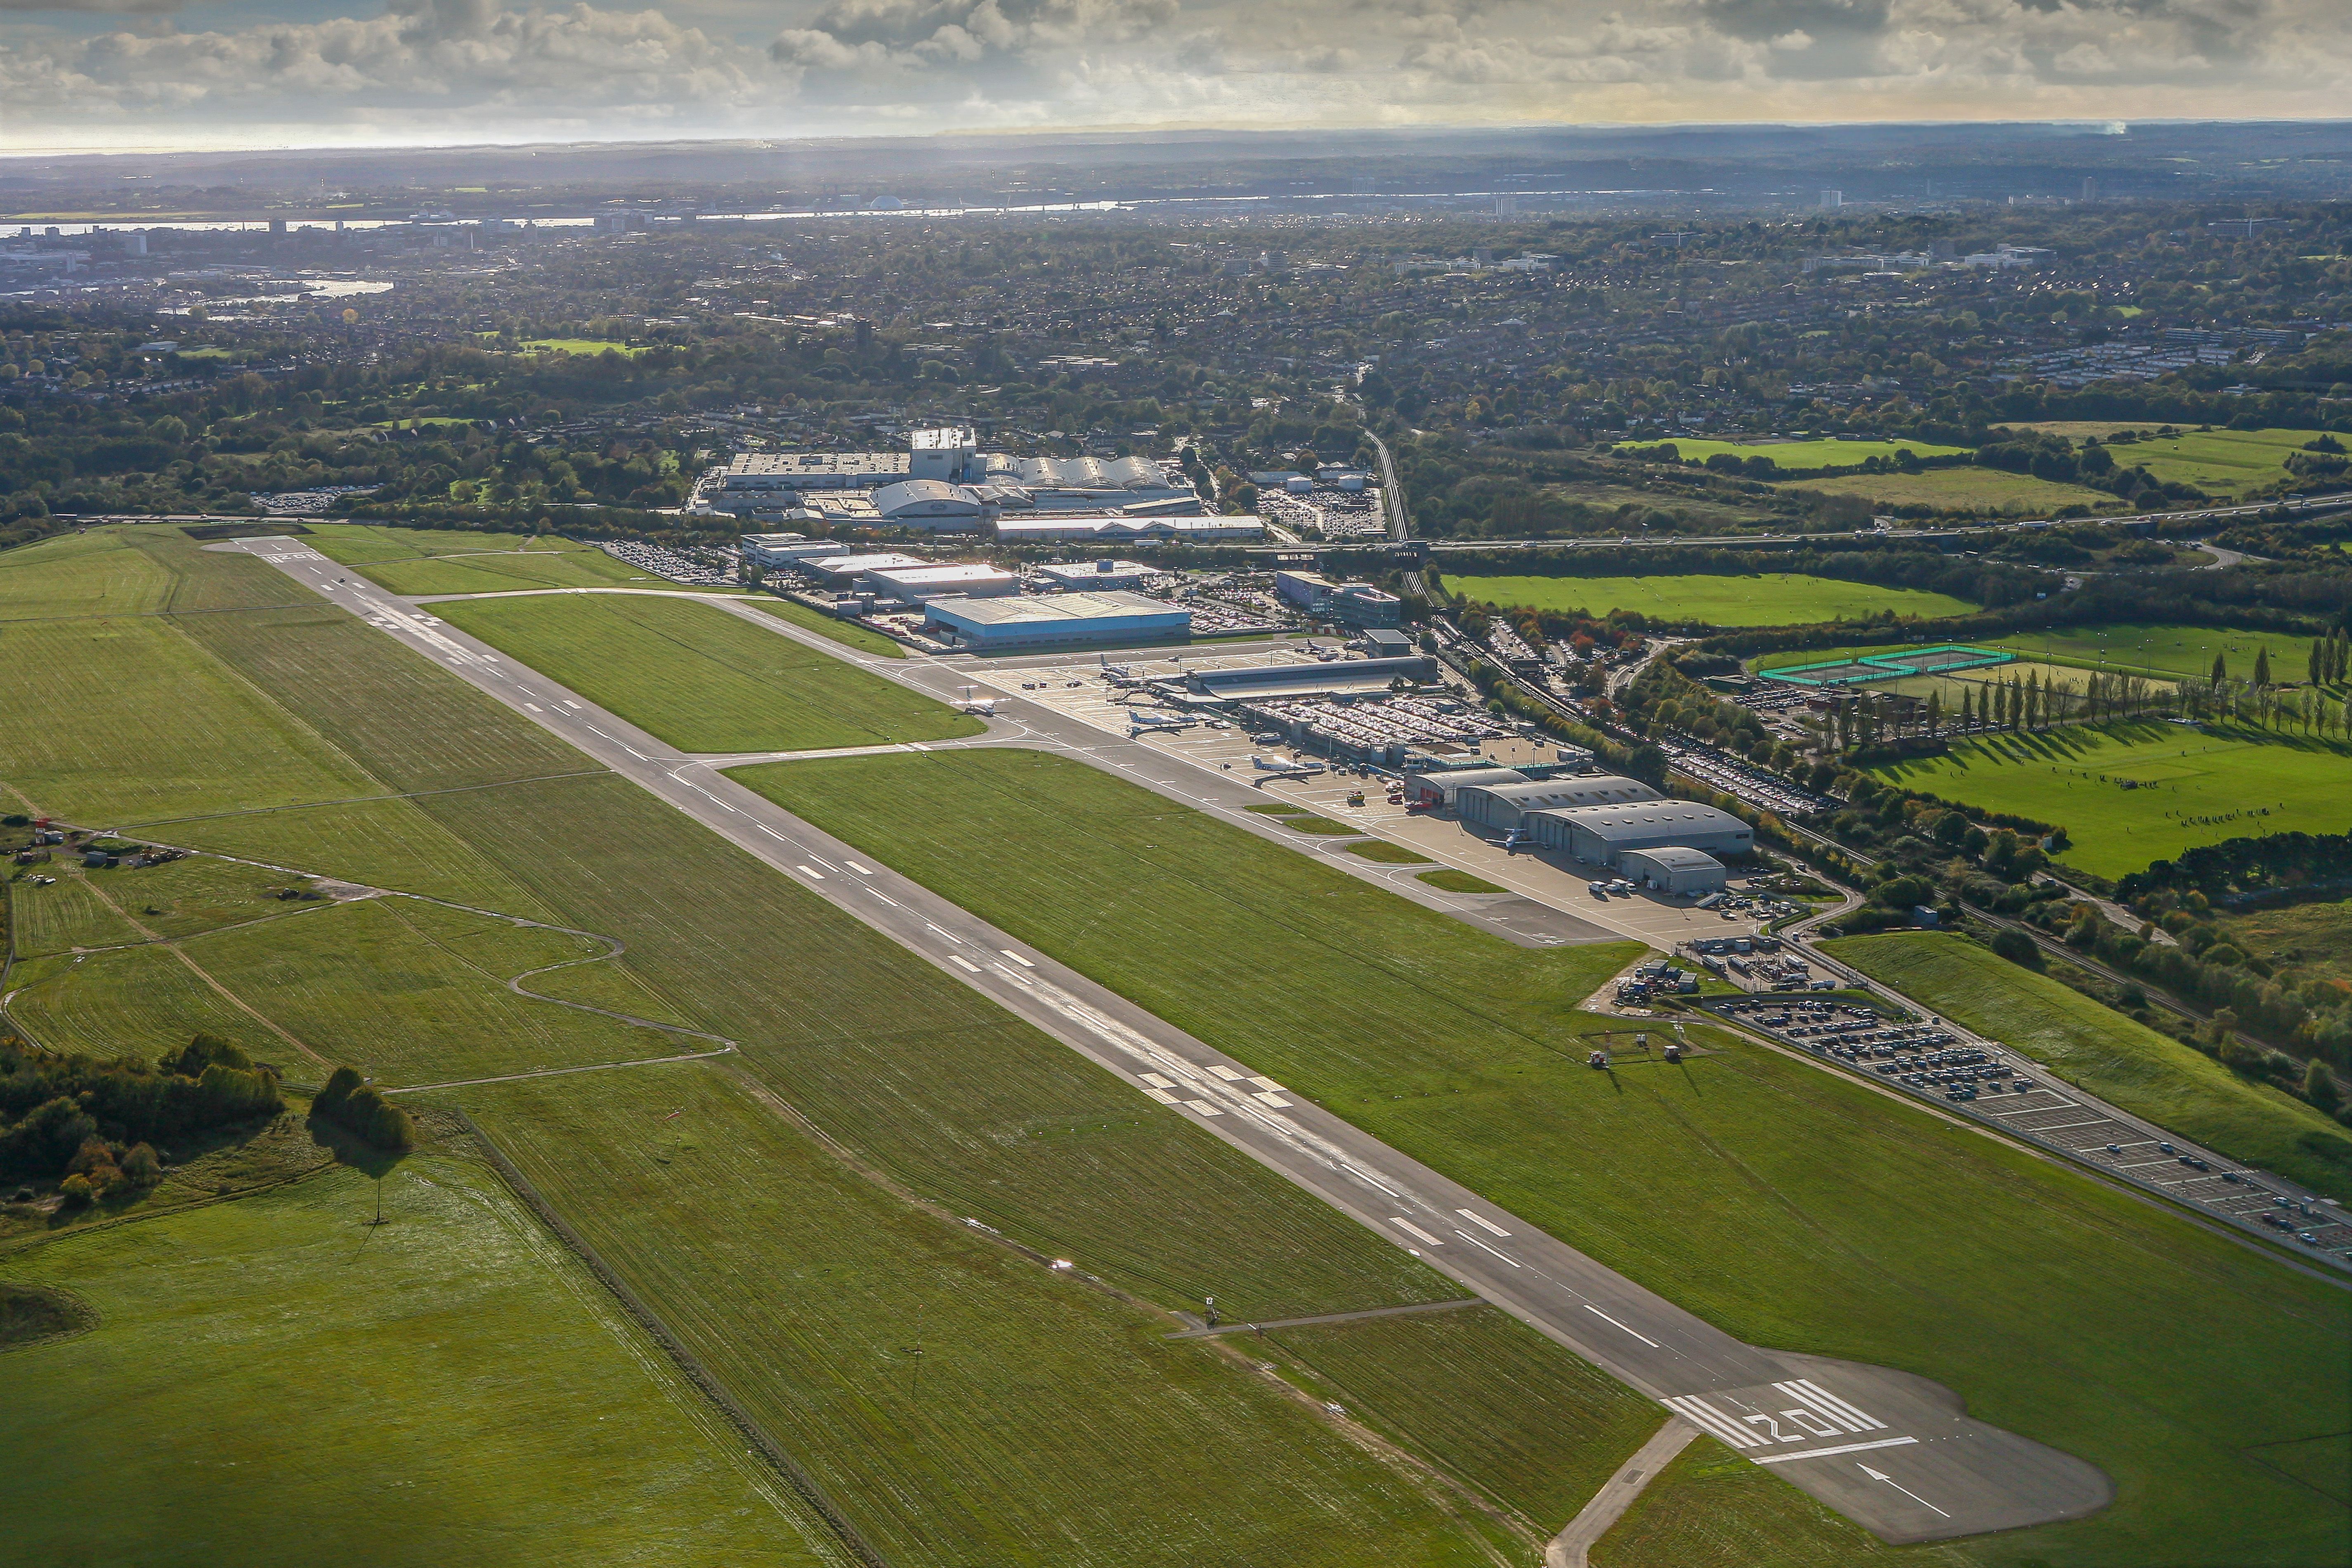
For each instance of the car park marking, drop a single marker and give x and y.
(2095, 1121)
(1607, 1319)
(1486, 1225)
(960, 961)
(1411, 1229)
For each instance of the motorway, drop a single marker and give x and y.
(1893, 1452)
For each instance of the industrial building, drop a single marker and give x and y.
(932, 504)
(1087, 484)
(1599, 835)
(839, 570)
(1440, 788)
(1504, 807)
(766, 481)
(783, 549)
(1350, 603)
(1673, 870)
(1122, 528)
(951, 456)
(1090, 574)
(1054, 620)
(919, 583)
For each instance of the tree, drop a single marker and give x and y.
(2017, 947)
(2319, 1084)
(2261, 668)
(1935, 713)
(2221, 671)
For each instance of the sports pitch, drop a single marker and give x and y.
(1890, 664)
(2133, 791)
(1779, 599)
(1827, 452)
(2167, 652)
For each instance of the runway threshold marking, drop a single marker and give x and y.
(1848, 1448)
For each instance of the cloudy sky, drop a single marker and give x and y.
(181, 73)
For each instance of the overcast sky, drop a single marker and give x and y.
(181, 73)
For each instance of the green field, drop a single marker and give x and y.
(2167, 651)
(270, 1381)
(1780, 599)
(2312, 937)
(702, 679)
(865, 639)
(2192, 786)
(1965, 490)
(1711, 1509)
(916, 1086)
(1453, 881)
(960, 1401)
(454, 560)
(1853, 1249)
(2225, 464)
(1824, 454)
(2117, 1059)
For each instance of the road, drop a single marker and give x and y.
(1895, 1453)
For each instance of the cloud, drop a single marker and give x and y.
(467, 69)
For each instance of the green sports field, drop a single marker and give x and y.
(2191, 785)
(1827, 452)
(2120, 1060)
(1971, 489)
(272, 1382)
(2164, 652)
(1779, 599)
(2226, 464)
(1792, 1206)
(702, 679)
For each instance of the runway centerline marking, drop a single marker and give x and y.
(1607, 1319)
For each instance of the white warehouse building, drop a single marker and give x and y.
(1507, 805)
(1599, 835)
(1673, 870)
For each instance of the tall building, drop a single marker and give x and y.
(1833, 200)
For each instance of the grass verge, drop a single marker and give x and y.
(1778, 600)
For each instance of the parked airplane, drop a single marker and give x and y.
(1515, 839)
(1147, 719)
(1281, 766)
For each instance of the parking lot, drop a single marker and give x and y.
(1940, 1061)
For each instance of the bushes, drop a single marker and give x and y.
(2017, 947)
(351, 1103)
(54, 1110)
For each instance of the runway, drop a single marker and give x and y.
(1896, 1453)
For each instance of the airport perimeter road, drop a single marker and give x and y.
(1895, 1453)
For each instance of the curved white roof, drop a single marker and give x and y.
(926, 497)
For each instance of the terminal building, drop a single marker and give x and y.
(1506, 806)
(1602, 835)
(1054, 620)
(1350, 604)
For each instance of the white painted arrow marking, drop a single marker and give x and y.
(1907, 1492)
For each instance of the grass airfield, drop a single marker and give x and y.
(866, 1082)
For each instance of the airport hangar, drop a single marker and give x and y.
(1508, 803)
(1604, 834)
(1052, 620)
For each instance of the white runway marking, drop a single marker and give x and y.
(861, 870)
(1156, 1081)
(960, 961)
(1017, 958)
(1842, 1449)
(1268, 1097)
(1487, 1226)
(1228, 1074)
(1204, 1108)
(1852, 1417)
(1700, 1413)
(1411, 1229)
(1607, 1319)
(812, 875)
(1484, 1247)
